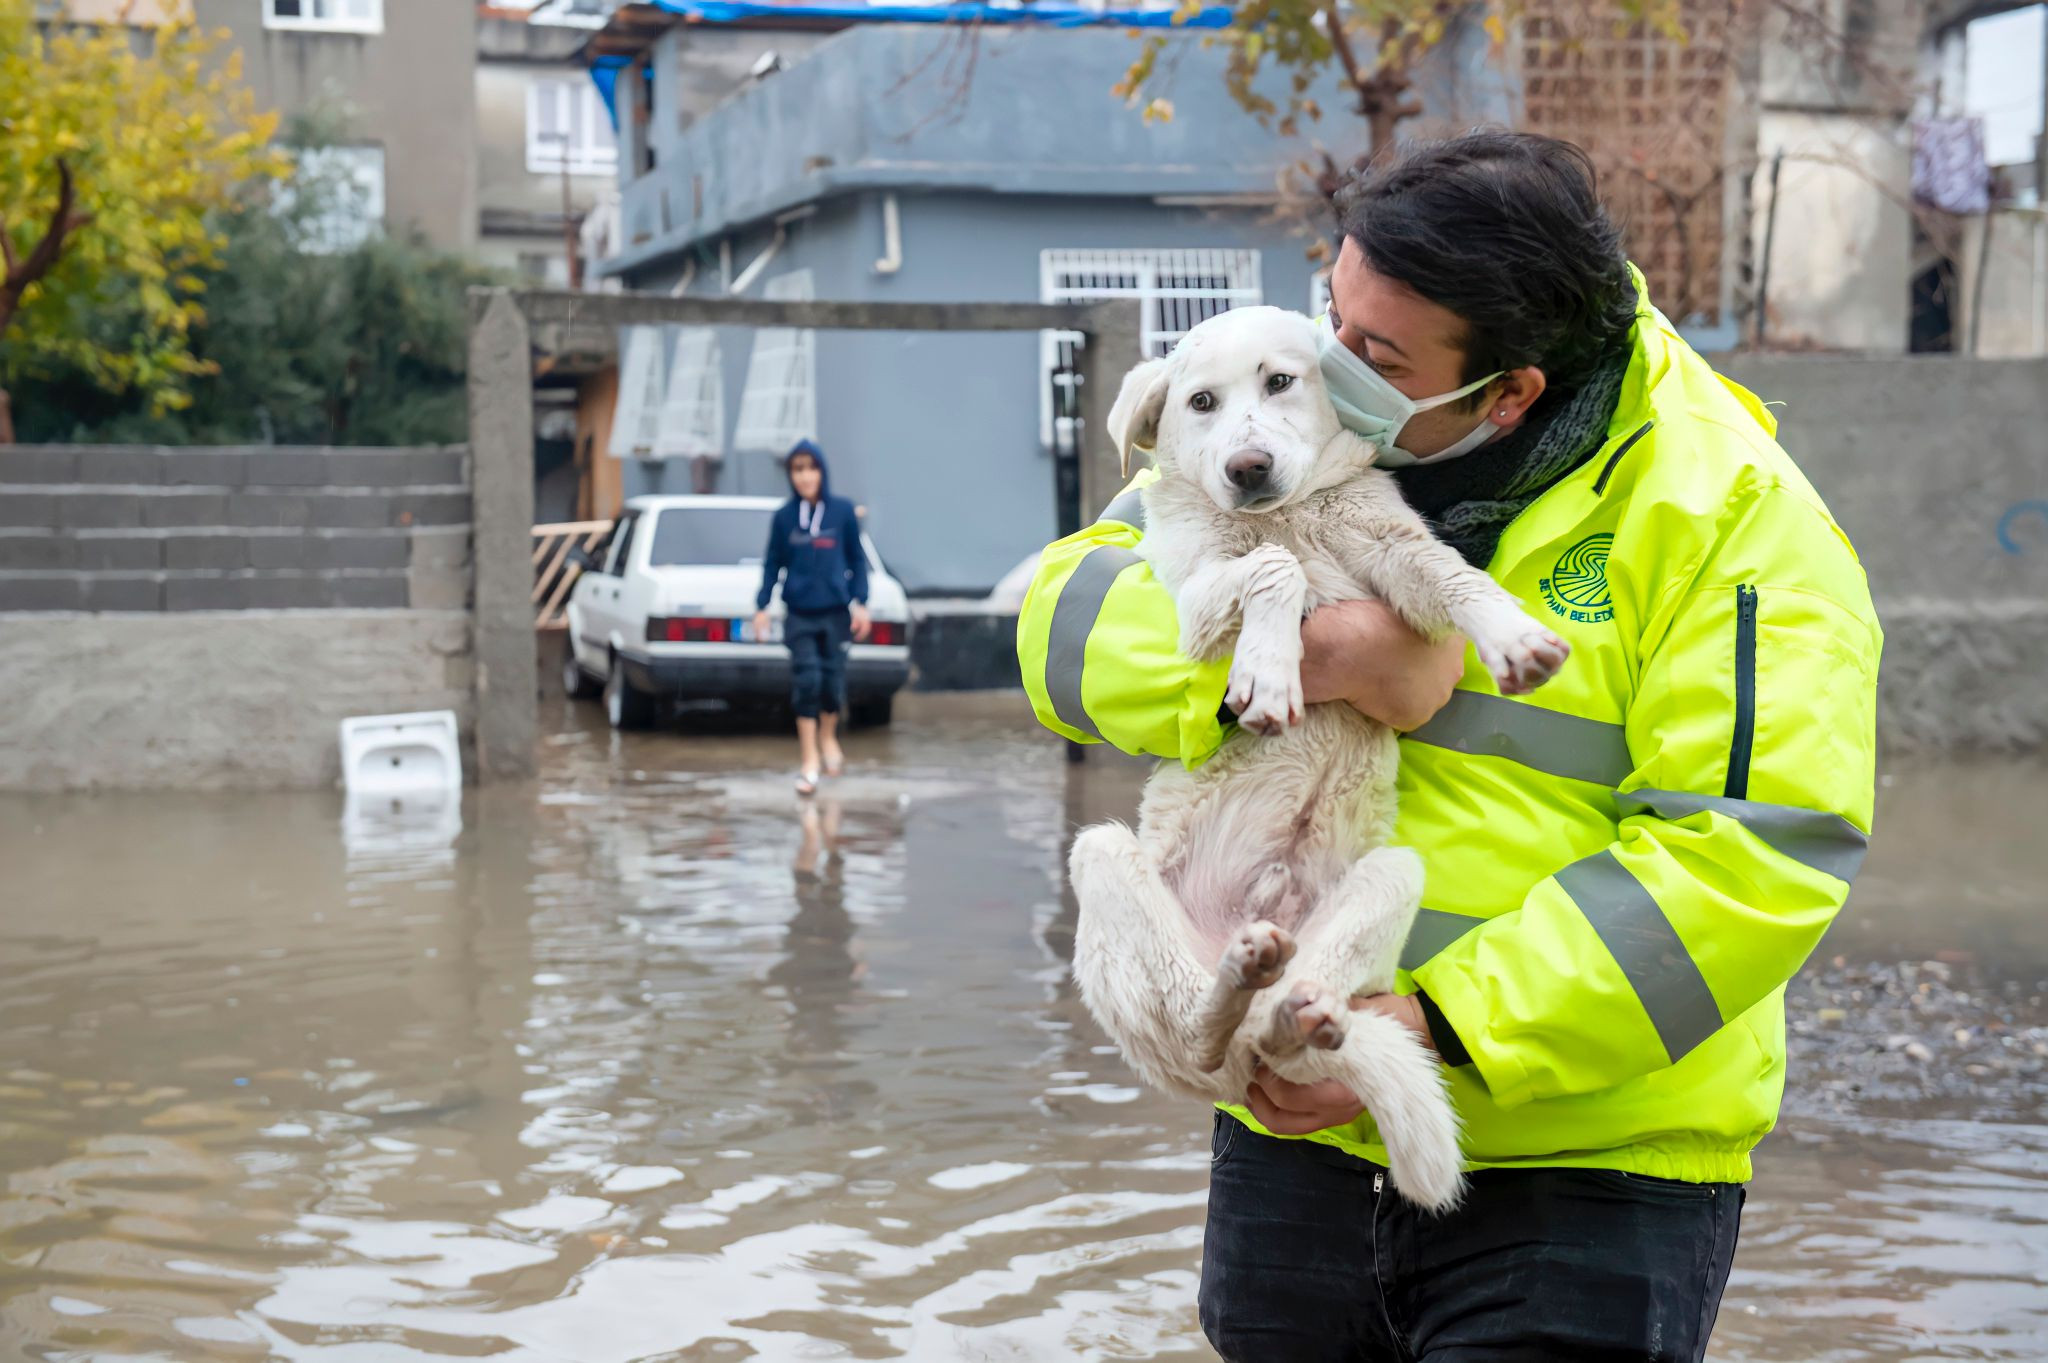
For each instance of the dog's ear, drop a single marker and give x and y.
(1134, 416)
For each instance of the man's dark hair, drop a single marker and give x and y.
(1505, 230)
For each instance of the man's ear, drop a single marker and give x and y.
(1134, 416)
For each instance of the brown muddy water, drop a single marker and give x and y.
(652, 1063)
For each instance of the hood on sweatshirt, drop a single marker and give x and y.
(809, 447)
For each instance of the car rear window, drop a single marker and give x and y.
(692, 535)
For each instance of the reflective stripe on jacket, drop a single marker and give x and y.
(1625, 868)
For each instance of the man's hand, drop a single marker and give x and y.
(760, 627)
(861, 623)
(1363, 654)
(1288, 1109)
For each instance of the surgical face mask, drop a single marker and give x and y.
(1372, 407)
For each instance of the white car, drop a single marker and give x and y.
(665, 613)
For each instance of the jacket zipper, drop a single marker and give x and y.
(1745, 694)
(1379, 1280)
(1600, 484)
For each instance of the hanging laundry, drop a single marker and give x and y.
(1950, 171)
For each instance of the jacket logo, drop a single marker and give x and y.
(1577, 586)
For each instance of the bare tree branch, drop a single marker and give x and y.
(960, 50)
(44, 254)
(1340, 43)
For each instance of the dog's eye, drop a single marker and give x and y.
(1204, 401)
(1280, 383)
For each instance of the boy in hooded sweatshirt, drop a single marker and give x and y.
(814, 547)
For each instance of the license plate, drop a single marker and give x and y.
(743, 630)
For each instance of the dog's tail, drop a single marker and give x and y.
(1403, 1088)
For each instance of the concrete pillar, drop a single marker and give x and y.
(1114, 349)
(501, 487)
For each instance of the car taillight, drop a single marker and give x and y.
(687, 629)
(883, 632)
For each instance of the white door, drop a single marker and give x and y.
(635, 599)
(595, 616)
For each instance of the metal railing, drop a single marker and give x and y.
(554, 576)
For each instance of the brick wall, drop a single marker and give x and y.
(139, 528)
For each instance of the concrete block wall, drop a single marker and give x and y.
(216, 700)
(1936, 468)
(140, 528)
(204, 618)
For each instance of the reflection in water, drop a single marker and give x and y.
(421, 827)
(819, 973)
(655, 1062)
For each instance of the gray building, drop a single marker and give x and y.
(393, 83)
(545, 154)
(871, 169)
(475, 124)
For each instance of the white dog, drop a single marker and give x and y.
(1263, 876)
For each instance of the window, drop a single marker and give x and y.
(622, 545)
(549, 269)
(692, 419)
(636, 420)
(779, 407)
(335, 16)
(1178, 288)
(694, 536)
(566, 125)
(336, 194)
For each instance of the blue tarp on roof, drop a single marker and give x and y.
(605, 71)
(1055, 15)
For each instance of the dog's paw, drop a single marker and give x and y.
(1520, 653)
(1310, 1015)
(1257, 957)
(1266, 700)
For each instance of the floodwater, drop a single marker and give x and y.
(649, 1065)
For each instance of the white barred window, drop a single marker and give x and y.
(335, 16)
(335, 197)
(779, 405)
(1178, 288)
(692, 419)
(567, 128)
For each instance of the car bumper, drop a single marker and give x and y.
(756, 672)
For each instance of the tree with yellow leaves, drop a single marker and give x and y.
(1374, 46)
(120, 148)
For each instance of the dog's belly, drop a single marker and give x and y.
(1267, 825)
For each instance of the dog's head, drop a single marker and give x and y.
(1238, 408)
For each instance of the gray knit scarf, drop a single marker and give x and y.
(1470, 500)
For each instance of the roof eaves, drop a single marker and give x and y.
(1206, 184)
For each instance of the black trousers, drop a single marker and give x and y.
(1311, 1255)
(817, 661)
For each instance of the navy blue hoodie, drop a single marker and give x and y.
(819, 543)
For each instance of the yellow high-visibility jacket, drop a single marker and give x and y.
(1624, 868)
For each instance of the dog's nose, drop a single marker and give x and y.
(1249, 469)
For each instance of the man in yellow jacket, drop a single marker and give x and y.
(1623, 869)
